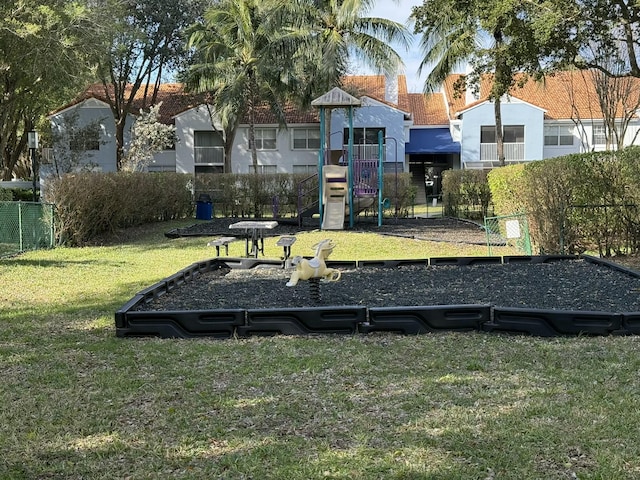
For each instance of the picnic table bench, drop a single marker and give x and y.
(254, 235)
(221, 242)
(285, 242)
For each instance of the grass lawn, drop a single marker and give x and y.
(79, 403)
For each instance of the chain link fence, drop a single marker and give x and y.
(511, 230)
(25, 226)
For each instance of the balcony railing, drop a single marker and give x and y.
(362, 151)
(209, 155)
(513, 152)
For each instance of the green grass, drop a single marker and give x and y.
(79, 403)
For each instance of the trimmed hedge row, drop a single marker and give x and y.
(575, 203)
(91, 204)
(242, 194)
(238, 194)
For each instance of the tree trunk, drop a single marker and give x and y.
(499, 132)
(252, 130)
(120, 124)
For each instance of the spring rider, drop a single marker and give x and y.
(315, 268)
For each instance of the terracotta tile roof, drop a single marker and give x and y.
(563, 95)
(428, 109)
(370, 85)
(176, 100)
(172, 95)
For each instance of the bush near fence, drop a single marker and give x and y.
(466, 194)
(92, 204)
(250, 195)
(89, 205)
(576, 203)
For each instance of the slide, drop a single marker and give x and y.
(335, 192)
(334, 213)
(334, 196)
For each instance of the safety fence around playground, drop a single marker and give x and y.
(25, 226)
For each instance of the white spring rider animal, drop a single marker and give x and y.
(315, 267)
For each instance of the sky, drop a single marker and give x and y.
(399, 11)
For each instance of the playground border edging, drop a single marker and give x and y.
(408, 320)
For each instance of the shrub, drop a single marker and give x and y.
(465, 193)
(505, 185)
(576, 203)
(247, 194)
(6, 195)
(91, 204)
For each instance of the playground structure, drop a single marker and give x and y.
(352, 185)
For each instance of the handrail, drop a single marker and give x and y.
(307, 196)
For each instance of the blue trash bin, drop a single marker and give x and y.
(204, 208)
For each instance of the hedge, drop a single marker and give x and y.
(466, 194)
(575, 203)
(92, 204)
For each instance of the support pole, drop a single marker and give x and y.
(380, 176)
(350, 169)
(321, 163)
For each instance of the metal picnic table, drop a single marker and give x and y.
(254, 234)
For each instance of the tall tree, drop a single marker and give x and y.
(42, 60)
(332, 34)
(593, 34)
(237, 66)
(494, 37)
(145, 41)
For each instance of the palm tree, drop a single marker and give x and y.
(235, 65)
(454, 33)
(330, 34)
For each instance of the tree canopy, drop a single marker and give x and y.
(42, 62)
(240, 46)
(142, 42)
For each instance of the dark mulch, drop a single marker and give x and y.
(561, 285)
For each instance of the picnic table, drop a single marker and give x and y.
(254, 234)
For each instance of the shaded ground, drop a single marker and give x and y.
(433, 229)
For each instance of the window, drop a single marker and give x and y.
(208, 147)
(306, 138)
(265, 139)
(364, 135)
(511, 134)
(487, 134)
(85, 139)
(306, 169)
(264, 169)
(558, 135)
(599, 135)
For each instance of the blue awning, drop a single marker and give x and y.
(431, 141)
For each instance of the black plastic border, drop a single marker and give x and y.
(409, 320)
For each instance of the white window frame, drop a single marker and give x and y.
(558, 135)
(507, 130)
(305, 169)
(310, 138)
(264, 169)
(264, 135)
(599, 135)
